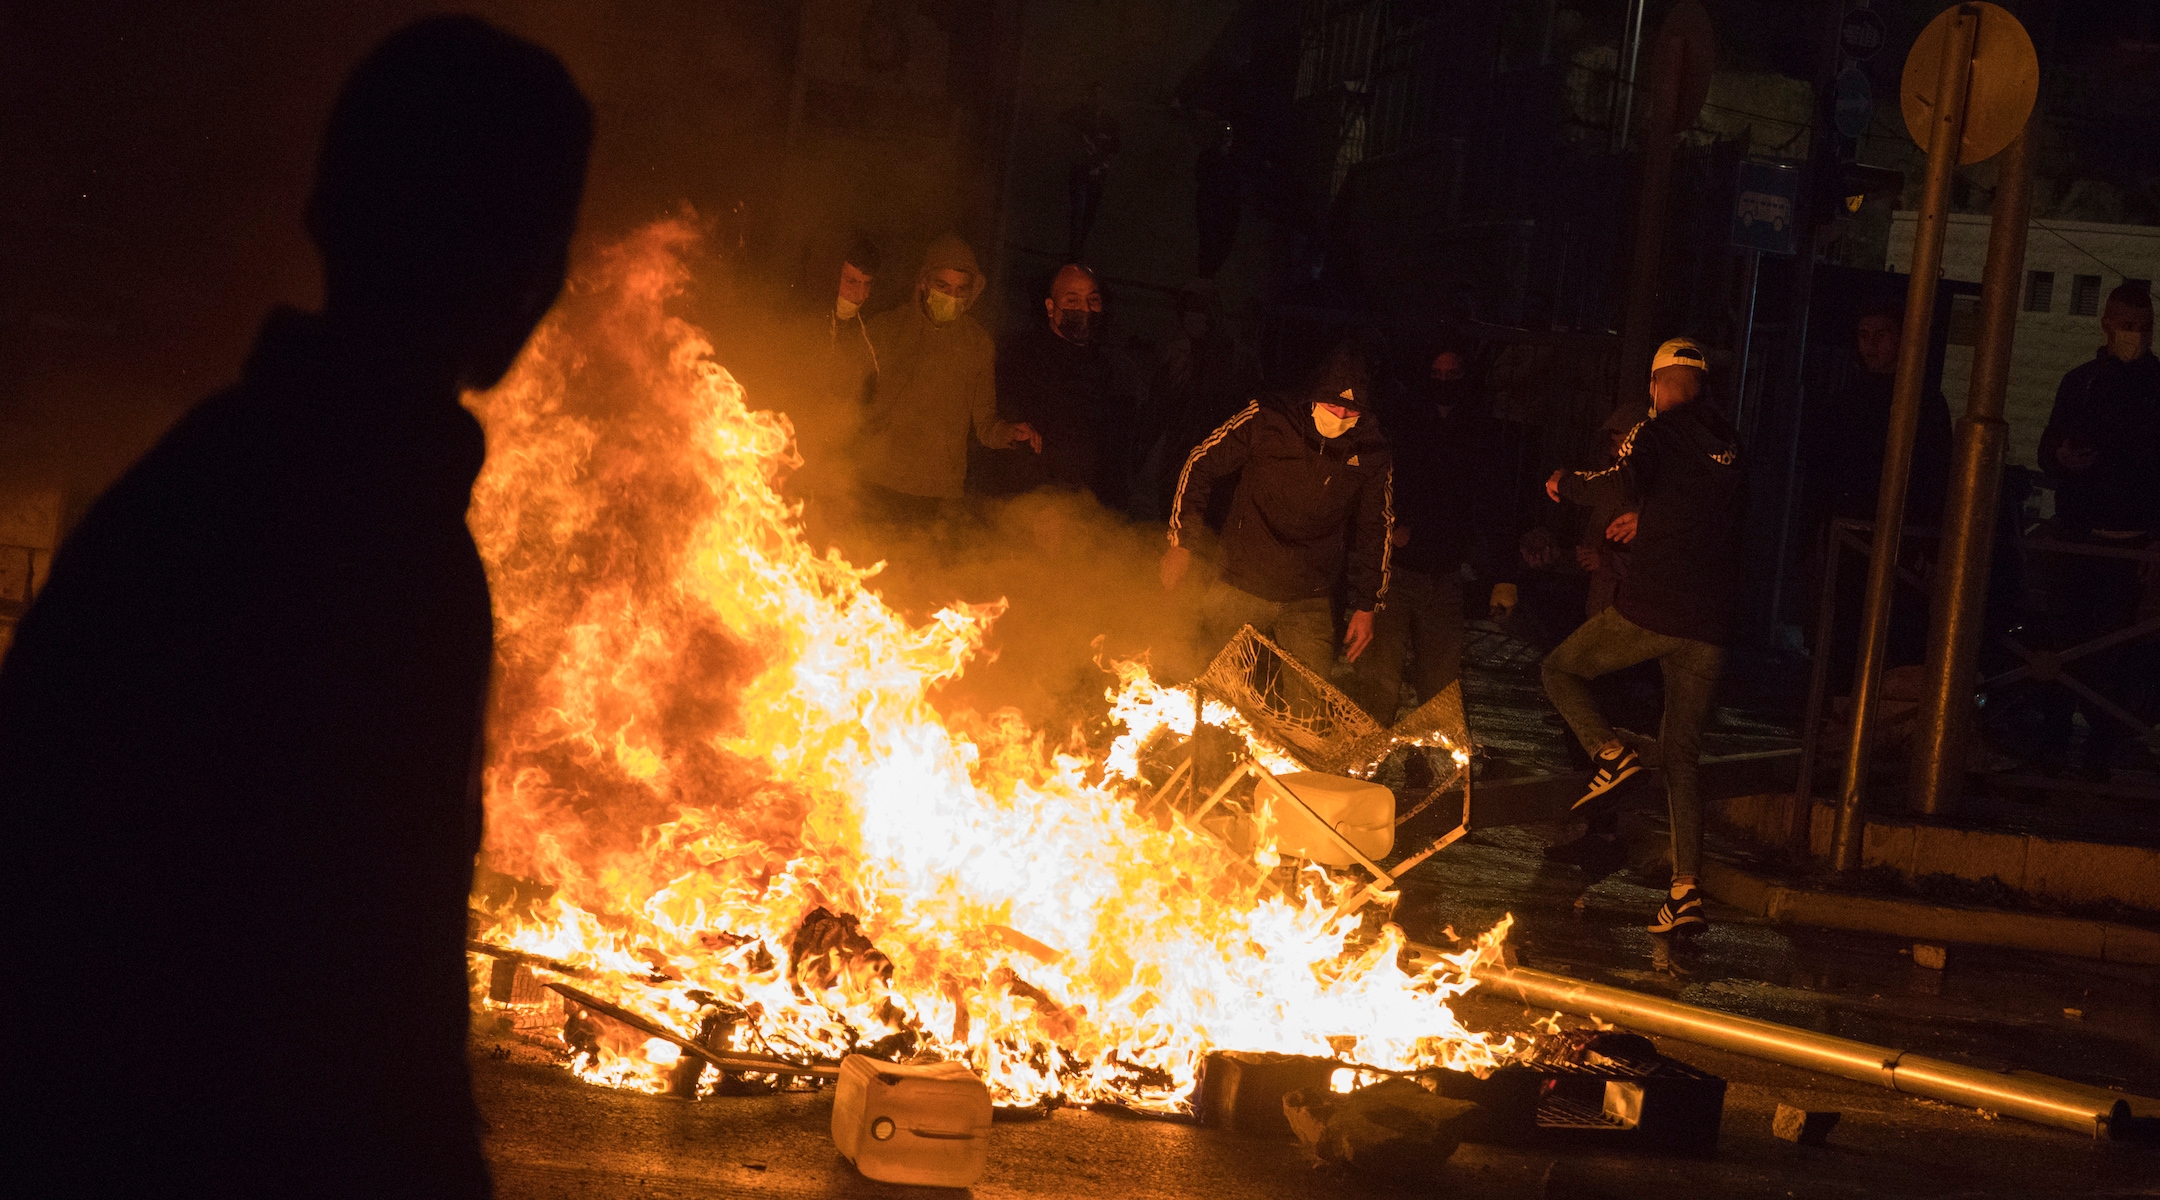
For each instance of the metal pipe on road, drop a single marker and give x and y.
(2037, 1098)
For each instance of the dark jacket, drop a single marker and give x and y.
(2114, 407)
(239, 737)
(1684, 468)
(1306, 510)
(1440, 443)
(1074, 398)
(1842, 448)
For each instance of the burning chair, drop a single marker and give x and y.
(1331, 812)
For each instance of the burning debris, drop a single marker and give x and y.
(717, 756)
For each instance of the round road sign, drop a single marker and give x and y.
(1861, 34)
(2005, 81)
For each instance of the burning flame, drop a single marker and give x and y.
(713, 748)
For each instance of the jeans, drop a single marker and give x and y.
(1609, 642)
(1423, 618)
(1305, 629)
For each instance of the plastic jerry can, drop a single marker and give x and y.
(926, 1124)
(1361, 813)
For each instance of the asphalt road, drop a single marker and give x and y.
(551, 1136)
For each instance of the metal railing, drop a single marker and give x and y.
(2038, 665)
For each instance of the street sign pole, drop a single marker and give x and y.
(1968, 536)
(1946, 136)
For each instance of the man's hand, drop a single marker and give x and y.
(2075, 455)
(1552, 487)
(1537, 548)
(1586, 556)
(1622, 529)
(1024, 432)
(1174, 565)
(1358, 636)
(1399, 536)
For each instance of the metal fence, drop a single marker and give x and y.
(2038, 664)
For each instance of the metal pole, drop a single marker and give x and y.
(1630, 60)
(2038, 1098)
(1645, 273)
(1747, 345)
(1822, 156)
(1946, 135)
(1800, 830)
(1961, 577)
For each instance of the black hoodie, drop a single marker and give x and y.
(1306, 510)
(1684, 467)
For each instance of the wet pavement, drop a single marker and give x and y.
(550, 1136)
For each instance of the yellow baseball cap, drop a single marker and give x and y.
(1679, 352)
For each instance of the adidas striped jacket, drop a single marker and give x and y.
(1308, 512)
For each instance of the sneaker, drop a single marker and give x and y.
(1681, 914)
(1612, 771)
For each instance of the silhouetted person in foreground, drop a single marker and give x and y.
(241, 726)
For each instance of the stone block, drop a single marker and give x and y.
(1800, 1125)
(1974, 854)
(1933, 957)
(1887, 845)
(2089, 871)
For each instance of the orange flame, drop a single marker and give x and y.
(706, 731)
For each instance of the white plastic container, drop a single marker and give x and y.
(926, 1124)
(1362, 813)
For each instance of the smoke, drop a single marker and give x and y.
(1079, 582)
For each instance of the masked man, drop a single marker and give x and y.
(2102, 446)
(936, 385)
(1313, 507)
(1058, 379)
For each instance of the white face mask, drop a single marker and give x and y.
(845, 309)
(2129, 345)
(1330, 425)
(943, 308)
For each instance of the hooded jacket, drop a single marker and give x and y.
(1684, 469)
(1308, 510)
(935, 383)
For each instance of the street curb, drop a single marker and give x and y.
(2103, 940)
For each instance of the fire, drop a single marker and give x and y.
(714, 747)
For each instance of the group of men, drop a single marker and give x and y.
(1314, 529)
(238, 759)
(938, 411)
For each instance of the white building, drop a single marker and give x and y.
(2070, 266)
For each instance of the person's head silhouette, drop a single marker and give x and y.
(447, 193)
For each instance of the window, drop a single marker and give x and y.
(2039, 291)
(2085, 296)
